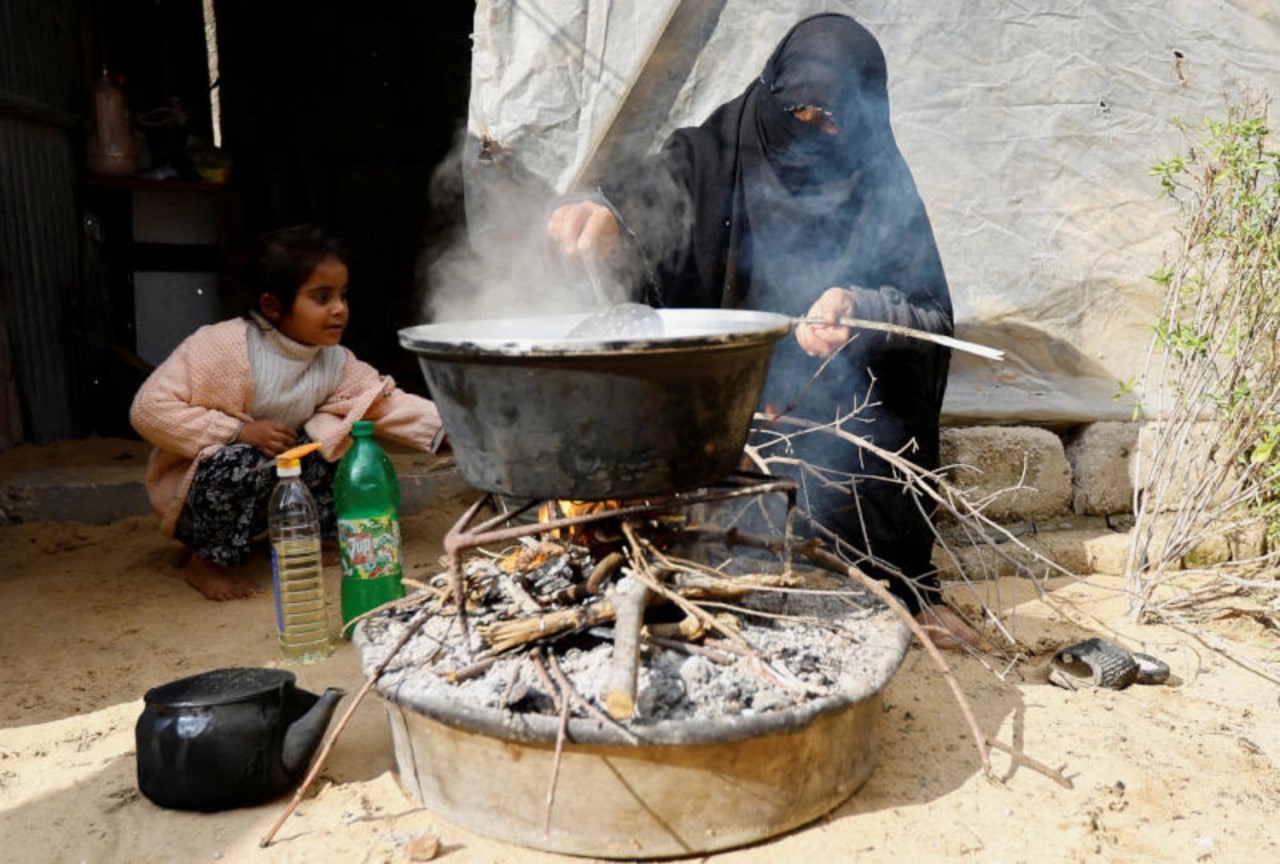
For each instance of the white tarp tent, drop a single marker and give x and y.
(1030, 128)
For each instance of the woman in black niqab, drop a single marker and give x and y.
(794, 198)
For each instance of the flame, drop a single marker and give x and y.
(565, 509)
(524, 558)
(570, 509)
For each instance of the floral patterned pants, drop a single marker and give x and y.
(226, 507)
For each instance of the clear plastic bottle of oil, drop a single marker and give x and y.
(298, 575)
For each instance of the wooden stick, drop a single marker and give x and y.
(561, 702)
(644, 573)
(504, 635)
(414, 625)
(912, 333)
(629, 600)
(720, 658)
(567, 688)
(1020, 758)
(980, 738)
(815, 552)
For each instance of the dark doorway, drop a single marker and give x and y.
(330, 112)
(337, 113)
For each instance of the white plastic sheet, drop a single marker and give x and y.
(1030, 128)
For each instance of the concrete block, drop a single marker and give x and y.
(1187, 457)
(1107, 554)
(1066, 548)
(1153, 536)
(96, 495)
(1099, 455)
(1225, 541)
(1248, 540)
(1012, 472)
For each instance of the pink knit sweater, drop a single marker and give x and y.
(196, 400)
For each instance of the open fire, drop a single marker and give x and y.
(567, 690)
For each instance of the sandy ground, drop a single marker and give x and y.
(97, 615)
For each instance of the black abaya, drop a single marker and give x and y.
(757, 209)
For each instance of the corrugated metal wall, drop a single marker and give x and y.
(40, 79)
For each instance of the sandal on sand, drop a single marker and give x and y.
(1093, 663)
(1150, 669)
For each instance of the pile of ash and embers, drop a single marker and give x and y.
(628, 619)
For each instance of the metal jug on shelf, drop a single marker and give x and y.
(109, 147)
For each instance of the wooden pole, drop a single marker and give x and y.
(629, 601)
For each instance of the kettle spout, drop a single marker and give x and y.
(304, 734)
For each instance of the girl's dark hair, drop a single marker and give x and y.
(279, 262)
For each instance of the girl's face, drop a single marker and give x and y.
(319, 313)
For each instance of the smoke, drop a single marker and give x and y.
(487, 253)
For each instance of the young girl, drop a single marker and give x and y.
(235, 394)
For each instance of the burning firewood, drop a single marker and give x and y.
(502, 636)
(705, 584)
(527, 556)
(603, 570)
(687, 629)
(629, 601)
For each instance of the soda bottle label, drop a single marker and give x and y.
(370, 547)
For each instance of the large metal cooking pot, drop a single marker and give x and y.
(533, 412)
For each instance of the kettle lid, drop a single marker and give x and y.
(218, 687)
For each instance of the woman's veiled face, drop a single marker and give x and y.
(830, 72)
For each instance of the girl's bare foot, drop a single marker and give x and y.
(947, 630)
(216, 581)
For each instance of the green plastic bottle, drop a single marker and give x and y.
(366, 499)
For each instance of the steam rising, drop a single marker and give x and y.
(488, 255)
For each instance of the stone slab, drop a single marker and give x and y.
(100, 494)
(96, 494)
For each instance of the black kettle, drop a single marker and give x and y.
(228, 738)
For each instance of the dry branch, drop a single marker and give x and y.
(980, 738)
(566, 686)
(410, 629)
(630, 598)
(503, 636)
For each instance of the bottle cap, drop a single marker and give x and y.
(287, 466)
(362, 428)
(300, 451)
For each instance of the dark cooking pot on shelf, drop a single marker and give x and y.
(534, 410)
(228, 738)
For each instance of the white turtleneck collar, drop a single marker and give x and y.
(290, 379)
(281, 343)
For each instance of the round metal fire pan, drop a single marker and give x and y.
(532, 412)
(683, 789)
(883, 656)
